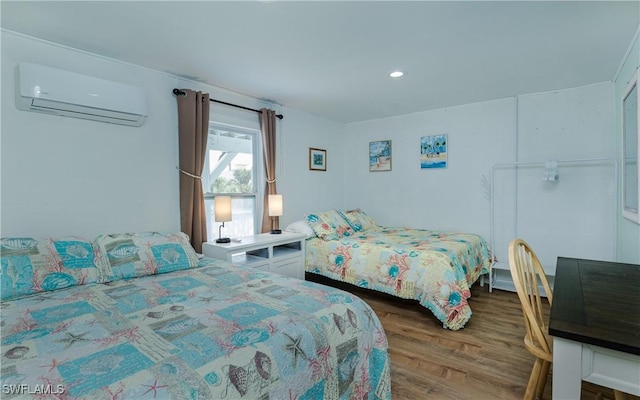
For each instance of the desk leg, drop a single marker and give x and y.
(567, 369)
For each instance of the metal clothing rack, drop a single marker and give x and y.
(560, 163)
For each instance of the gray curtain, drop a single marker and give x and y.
(193, 129)
(268, 129)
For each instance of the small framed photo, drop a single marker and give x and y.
(380, 156)
(433, 151)
(317, 159)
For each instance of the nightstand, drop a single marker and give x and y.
(280, 253)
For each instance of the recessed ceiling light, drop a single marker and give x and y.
(396, 74)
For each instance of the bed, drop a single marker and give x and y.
(435, 268)
(141, 316)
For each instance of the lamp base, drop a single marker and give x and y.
(223, 240)
(276, 231)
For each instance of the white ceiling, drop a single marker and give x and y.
(332, 59)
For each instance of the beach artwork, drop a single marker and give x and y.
(380, 156)
(433, 151)
(317, 159)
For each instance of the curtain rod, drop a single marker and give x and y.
(179, 92)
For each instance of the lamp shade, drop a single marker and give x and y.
(275, 205)
(222, 208)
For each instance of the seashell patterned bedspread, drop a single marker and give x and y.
(219, 331)
(436, 268)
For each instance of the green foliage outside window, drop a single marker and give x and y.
(240, 183)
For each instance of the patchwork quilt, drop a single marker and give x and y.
(435, 268)
(216, 331)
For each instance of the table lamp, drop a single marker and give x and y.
(222, 211)
(275, 210)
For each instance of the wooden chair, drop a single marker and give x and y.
(527, 274)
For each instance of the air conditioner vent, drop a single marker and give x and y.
(53, 91)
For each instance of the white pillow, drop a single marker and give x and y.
(300, 227)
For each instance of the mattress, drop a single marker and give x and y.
(433, 267)
(218, 331)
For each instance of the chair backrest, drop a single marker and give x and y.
(527, 274)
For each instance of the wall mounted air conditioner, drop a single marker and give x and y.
(53, 91)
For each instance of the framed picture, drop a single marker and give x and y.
(433, 151)
(380, 156)
(317, 159)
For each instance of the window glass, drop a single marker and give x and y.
(230, 170)
(630, 150)
(630, 144)
(242, 219)
(230, 162)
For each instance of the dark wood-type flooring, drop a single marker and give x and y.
(484, 360)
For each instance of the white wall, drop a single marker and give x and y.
(566, 124)
(67, 176)
(454, 198)
(575, 216)
(303, 190)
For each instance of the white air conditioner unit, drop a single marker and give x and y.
(53, 91)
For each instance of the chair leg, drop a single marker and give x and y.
(542, 379)
(530, 392)
(618, 395)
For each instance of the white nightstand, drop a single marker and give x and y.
(280, 253)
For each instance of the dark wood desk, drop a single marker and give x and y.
(595, 324)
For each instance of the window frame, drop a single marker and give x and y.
(257, 171)
(630, 153)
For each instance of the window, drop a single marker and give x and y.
(630, 150)
(231, 168)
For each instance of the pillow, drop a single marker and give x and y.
(32, 265)
(358, 220)
(130, 255)
(300, 227)
(329, 225)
